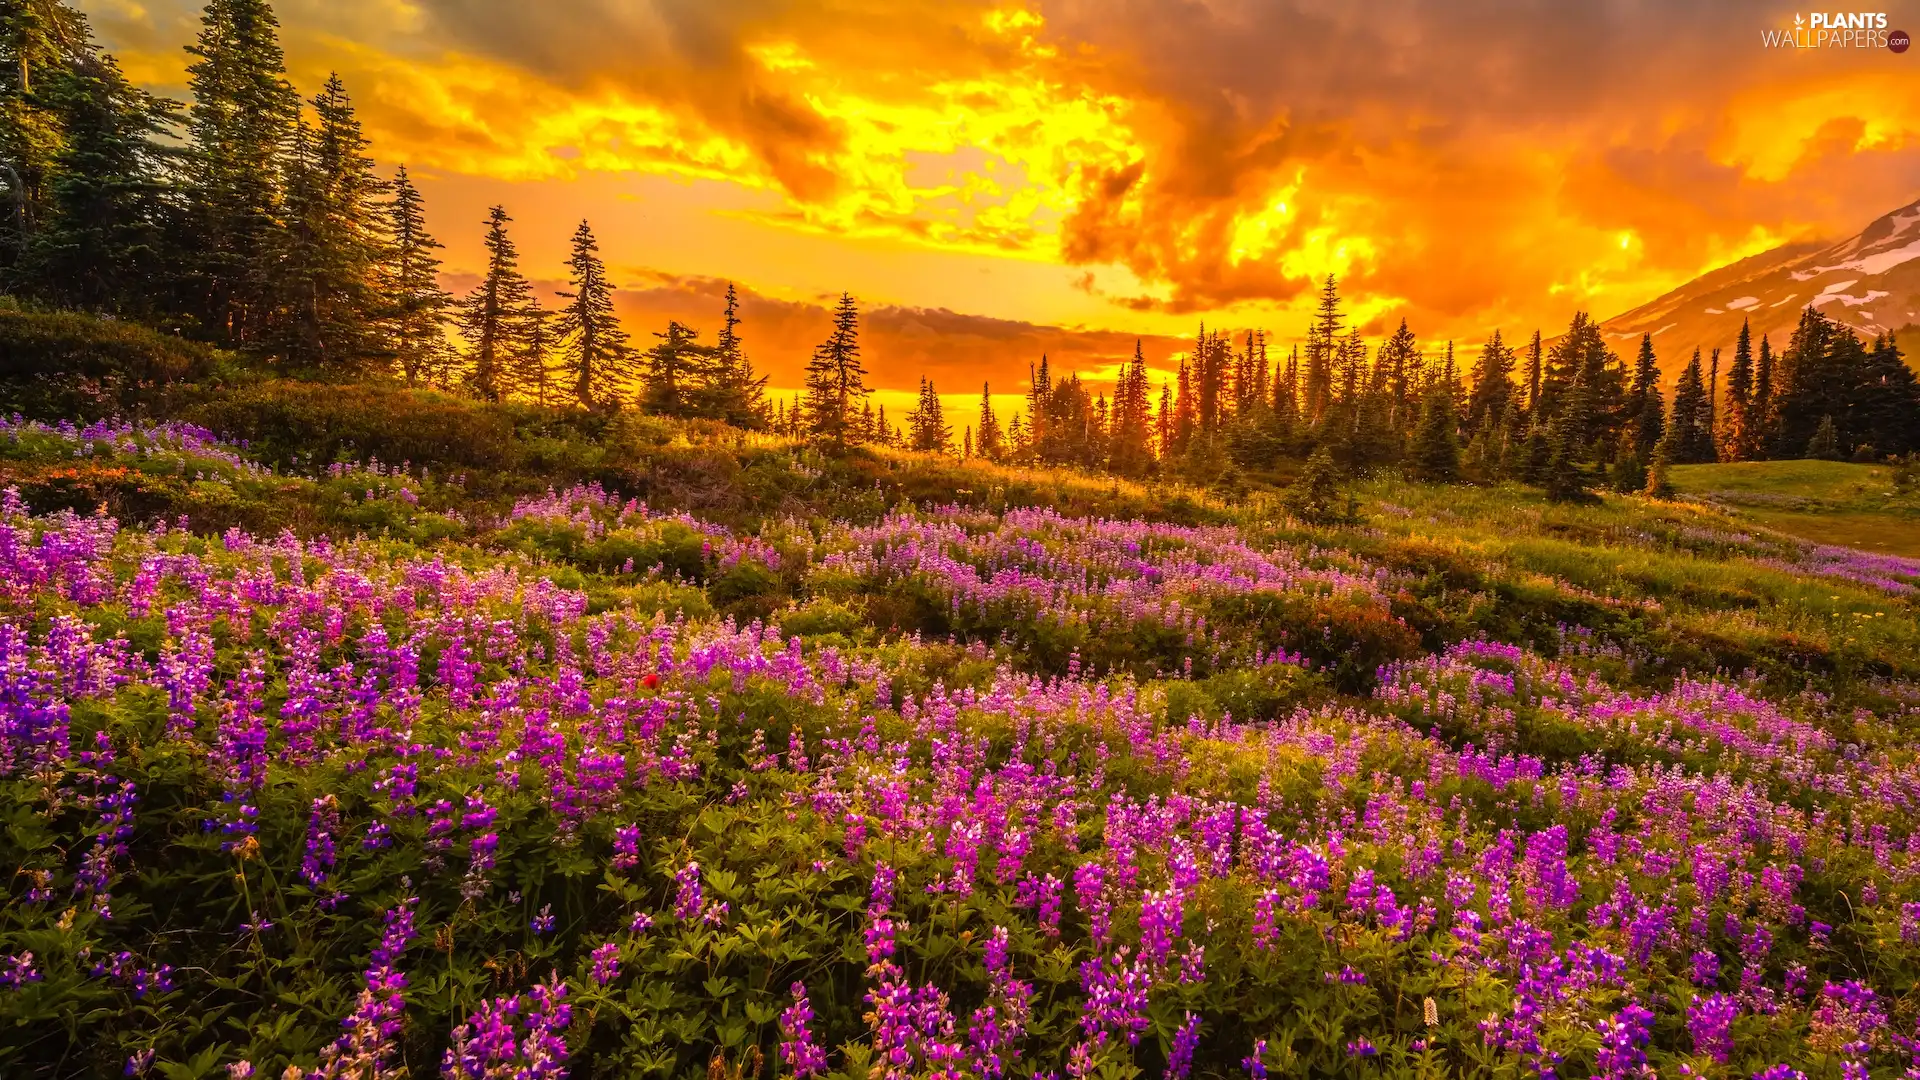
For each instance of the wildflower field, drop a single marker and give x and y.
(329, 768)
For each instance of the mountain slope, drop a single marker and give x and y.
(1870, 281)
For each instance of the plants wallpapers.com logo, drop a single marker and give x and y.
(1838, 30)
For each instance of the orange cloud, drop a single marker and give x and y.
(1150, 162)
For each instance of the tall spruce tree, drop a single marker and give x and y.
(674, 370)
(1761, 413)
(1323, 338)
(1737, 439)
(1399, 364)
(99, 242)
(240, 126)
(735, 393)
(594, 347)
(836, 379)
(1435, 452)
(1492, 384)
(493, 316)
(418, 307)
(40, 41)
(333, 244)
(1806, 387)
(1536, 371)
(927, 427)
(991, 444)
(1131, 427)
(1692, 442)
(1890, 401)
(1646, 410)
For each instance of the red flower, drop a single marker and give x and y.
(650, 681)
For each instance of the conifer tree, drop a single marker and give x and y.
(1646, 410)
(594, 348)
(1183, 411)
(927, 428)
(1890, 411)
(418, 311)
(735, 393)
(1315, 495)
(1807, 385)
(1535, 372)
(1399, 362)
(1825, 444)
(1436, 442)
(530, 369)
(241, 122)
(493, 316)
(1761, 412)
(1629, 471)
(332, 246)
(40, 41)
(1322, 345)
(1492, 384)
(1131, 425)
(1710, 422)
(1660, 469)
(1692, 443)
(836, 380)
(98, 229)
(673, 371)
(1737, 440)
(1163, 422)
(990, 444)
(1563, 475)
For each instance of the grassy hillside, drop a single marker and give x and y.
(366, 732)
(1827, 502)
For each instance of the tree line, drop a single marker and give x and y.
(256, 220)
(1568, 416)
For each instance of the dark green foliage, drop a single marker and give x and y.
(240, 125)
(927, 428)
(594, 348)
(1825, 444)
(1317, 495)
(63, 364)
(1692, 438)
(836, 379)
(494, 317)
(418, 308)
(1435, 452)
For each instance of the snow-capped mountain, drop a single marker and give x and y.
(1870, 282)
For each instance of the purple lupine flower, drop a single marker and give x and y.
(1623, 1041)
(797, 1047)
(626, 847)
(542, 923)
(606, 963)
(688, 898)
(1256, 1062)
(373, 1028)
(1710, 1022)
(18, 970)
(1160, 918)
(1180, 1055)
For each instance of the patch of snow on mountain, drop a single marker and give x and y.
(1850, 301)
(1877, 263)
(1715, 311)
(1743, 303)
(1839, 285)
(1783, 300)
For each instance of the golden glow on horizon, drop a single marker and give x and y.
(1122, 178)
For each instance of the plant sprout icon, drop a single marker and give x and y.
(1799, 21)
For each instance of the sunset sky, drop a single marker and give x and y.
(995, 180)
